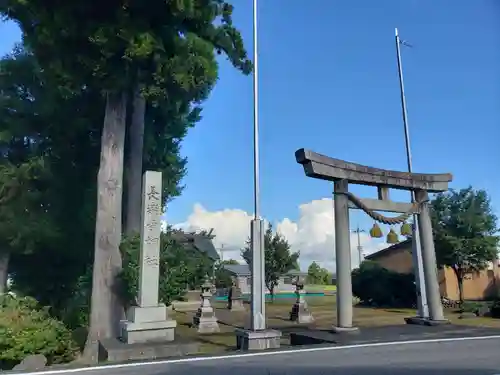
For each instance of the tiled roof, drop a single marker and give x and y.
(237, 269)
(384, 252)
(197, 242)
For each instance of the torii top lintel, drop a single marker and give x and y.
(330, 169)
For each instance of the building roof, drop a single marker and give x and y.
(244, 270)
(197, 242)
(237, 269)
(388, 250)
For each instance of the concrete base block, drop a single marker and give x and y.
(337, 329)
(205, 320)
(114, 350)
(425, 321)
(147, 314)
(142, 332)
(301, 314)
(257, 340)
(31, 363)
(207, 325)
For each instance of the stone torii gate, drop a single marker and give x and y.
(343, 173)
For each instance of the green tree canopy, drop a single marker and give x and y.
(279, 259)
(465, 231)
(229, 261)
(223, 278)
(50, 168)
(112, 47)
(318, 275)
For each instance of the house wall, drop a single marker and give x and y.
(284, 285)
(399, 260)
(477, 285)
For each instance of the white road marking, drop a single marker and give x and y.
(256, 354)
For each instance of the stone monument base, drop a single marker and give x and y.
(133, 333)
(257, 340)
(301, 314)
(114, 350)
(205, 320)
(146, 324)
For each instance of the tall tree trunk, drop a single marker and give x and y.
(4, 270)
(134, 164)
(106, 307)
(461, 291)
(271, 292)
(460, 274)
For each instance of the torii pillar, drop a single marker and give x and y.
(343, 173)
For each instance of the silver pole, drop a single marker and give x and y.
(360, 248)
(256, 174)
(423, 308)
(258, 293)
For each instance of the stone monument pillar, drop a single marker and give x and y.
(234, 298)
(300, 312)
(149, 320)
(205, 319)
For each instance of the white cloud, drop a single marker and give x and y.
(313, 234)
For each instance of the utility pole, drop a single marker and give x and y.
(423, 308)
(221, 258)
(360, 248)
(223, 248)
(221, 251)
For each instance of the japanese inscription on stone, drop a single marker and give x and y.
(150, 239)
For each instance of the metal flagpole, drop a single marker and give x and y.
(258, 306)
(360, 248)
(423, 308)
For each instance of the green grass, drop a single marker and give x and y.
(323, 309)
(320, 288)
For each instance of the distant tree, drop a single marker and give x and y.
(230, 261)
(182, 267)
(278, 257)
(318, 275)
(377, 286)
(223, 278)
(465, 232)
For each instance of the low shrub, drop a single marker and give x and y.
(28, 329)
(377, 286)
(474, 307)
(76, 310)
(495, 309)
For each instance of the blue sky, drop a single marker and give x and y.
(328, 82)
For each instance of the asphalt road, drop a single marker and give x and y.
(478, 357)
